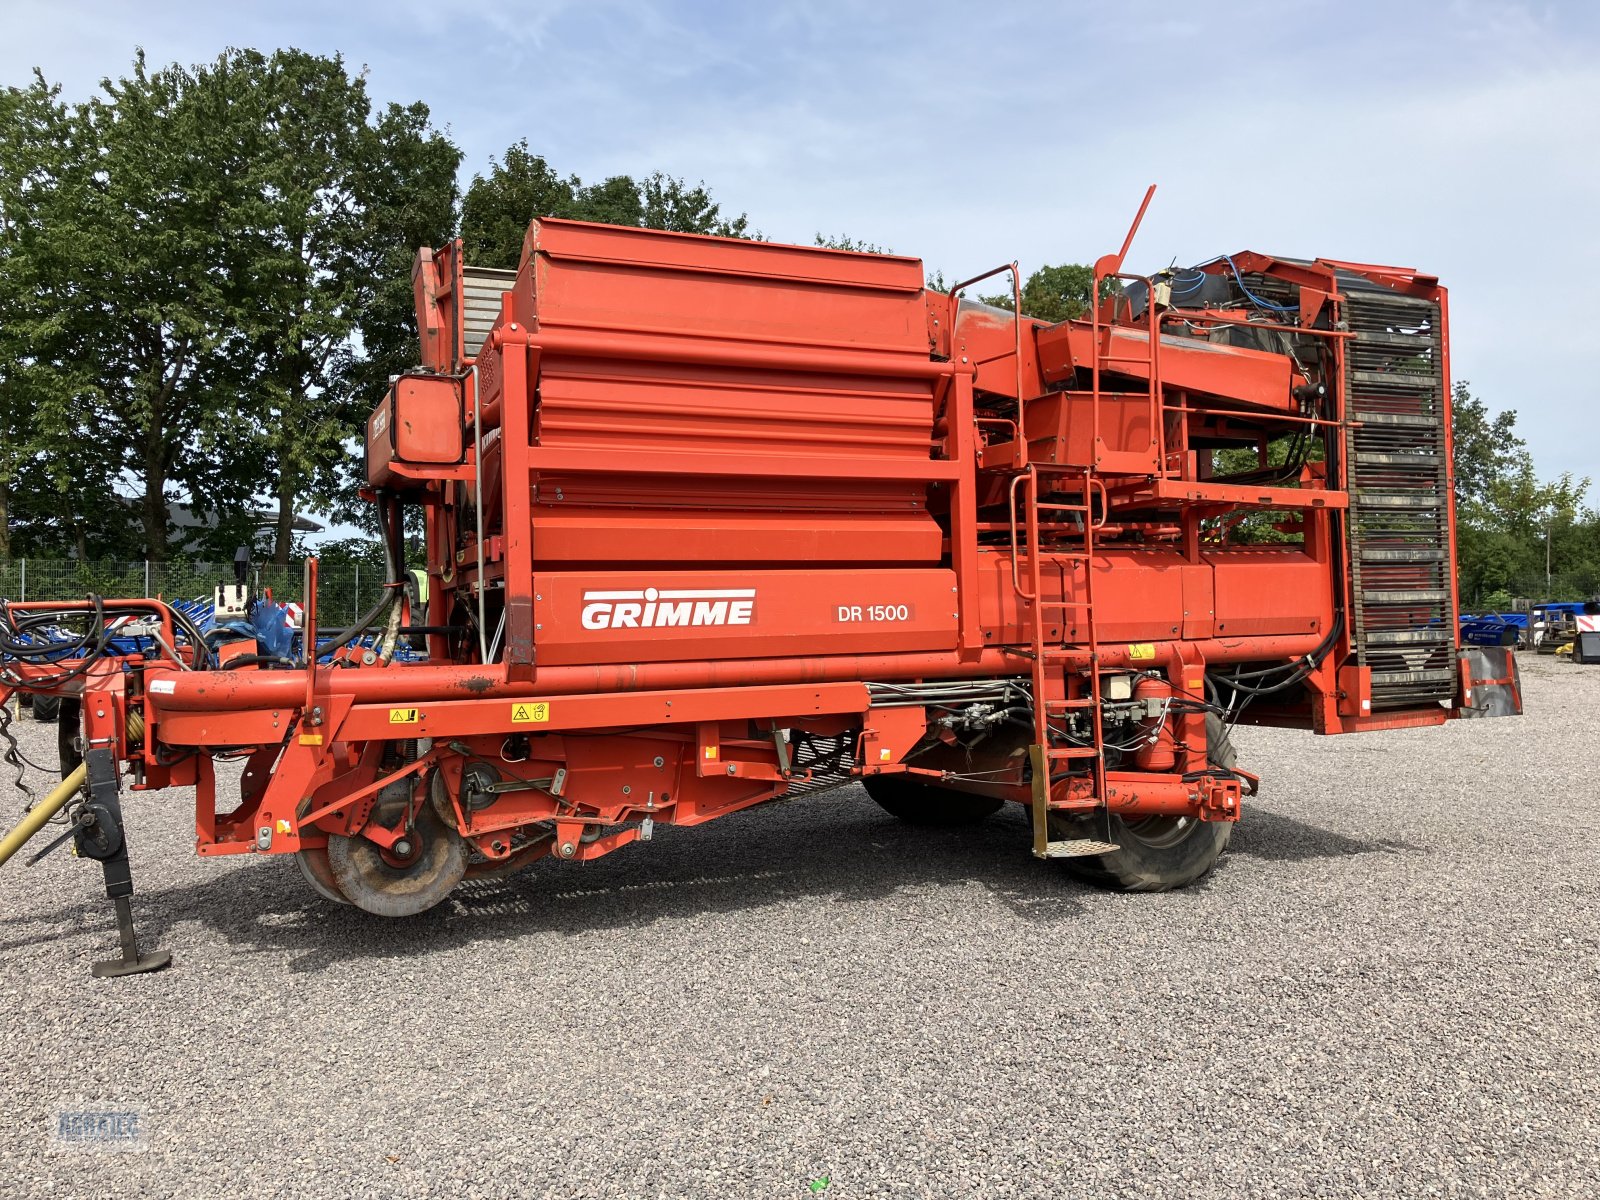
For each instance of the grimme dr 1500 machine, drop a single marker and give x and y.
(711, 522)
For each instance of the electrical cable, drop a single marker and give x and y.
(1255, 299)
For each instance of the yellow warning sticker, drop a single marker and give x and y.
(402, 716)
(530, 712)
(1141, 650)
(883, 754)
(711, 751)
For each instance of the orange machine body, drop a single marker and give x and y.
(711, 521)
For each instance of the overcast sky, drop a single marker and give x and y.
(1461, 137)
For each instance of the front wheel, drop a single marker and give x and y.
(1157, 853)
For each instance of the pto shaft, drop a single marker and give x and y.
(41, 813)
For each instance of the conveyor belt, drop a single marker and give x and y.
(1399, 515)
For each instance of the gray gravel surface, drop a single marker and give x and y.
(1388, 988)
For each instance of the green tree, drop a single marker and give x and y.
(339, 201)
(1514, 530)
(32, 142)
(498, 206)
(1056, 293)
(521, 186)
(1486, 447)
(142, 233)
(841, 241)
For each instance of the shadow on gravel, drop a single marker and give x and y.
(840, 850)
(1278, 838)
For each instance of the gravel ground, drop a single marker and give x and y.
(1388, 988)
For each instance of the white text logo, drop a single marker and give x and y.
(659, 609)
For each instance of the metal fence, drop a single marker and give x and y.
(343, 589)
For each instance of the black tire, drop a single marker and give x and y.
(1158, 853)
(918, 803)
(46, 708)
(69, 734)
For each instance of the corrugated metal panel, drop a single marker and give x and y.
(482, 288)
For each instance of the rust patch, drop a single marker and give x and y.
(478, 683)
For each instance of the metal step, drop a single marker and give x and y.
(1078, 848)
(1071, 752)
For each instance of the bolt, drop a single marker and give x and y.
(626, 790)
(660, 762)
(732, 770)
(568, 849)
(402, 848)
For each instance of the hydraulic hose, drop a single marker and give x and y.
(39, 815)
(389, 602)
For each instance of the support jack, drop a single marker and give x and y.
(100, 836)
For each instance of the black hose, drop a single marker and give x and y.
(391, 592)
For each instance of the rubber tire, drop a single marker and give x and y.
(918, 803)
(46, 708)
(1145, 864)
(69, 728)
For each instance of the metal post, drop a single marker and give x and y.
(1548, 522)
(24, 581)
(147, 577)
(357, 598)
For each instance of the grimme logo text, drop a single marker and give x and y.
(654, 608)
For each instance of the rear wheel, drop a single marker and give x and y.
(919, 803)
(46, 708)
(318, 873)
(392, 883)
(69, 733)
(1158, 853)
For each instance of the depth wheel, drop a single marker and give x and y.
(387, 886)
(318, 872)
(1158, 853)
(46, 708)
(918, 803)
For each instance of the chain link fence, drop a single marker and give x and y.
(1524, 590)
(344, 590)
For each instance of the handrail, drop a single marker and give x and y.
(1016, 323)
(1032, 475)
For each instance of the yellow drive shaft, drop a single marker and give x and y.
(41, 813)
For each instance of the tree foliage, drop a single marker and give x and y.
(521, 185)
(1054, 294)
(1516, 533)
(339, 199)
(207, 272)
